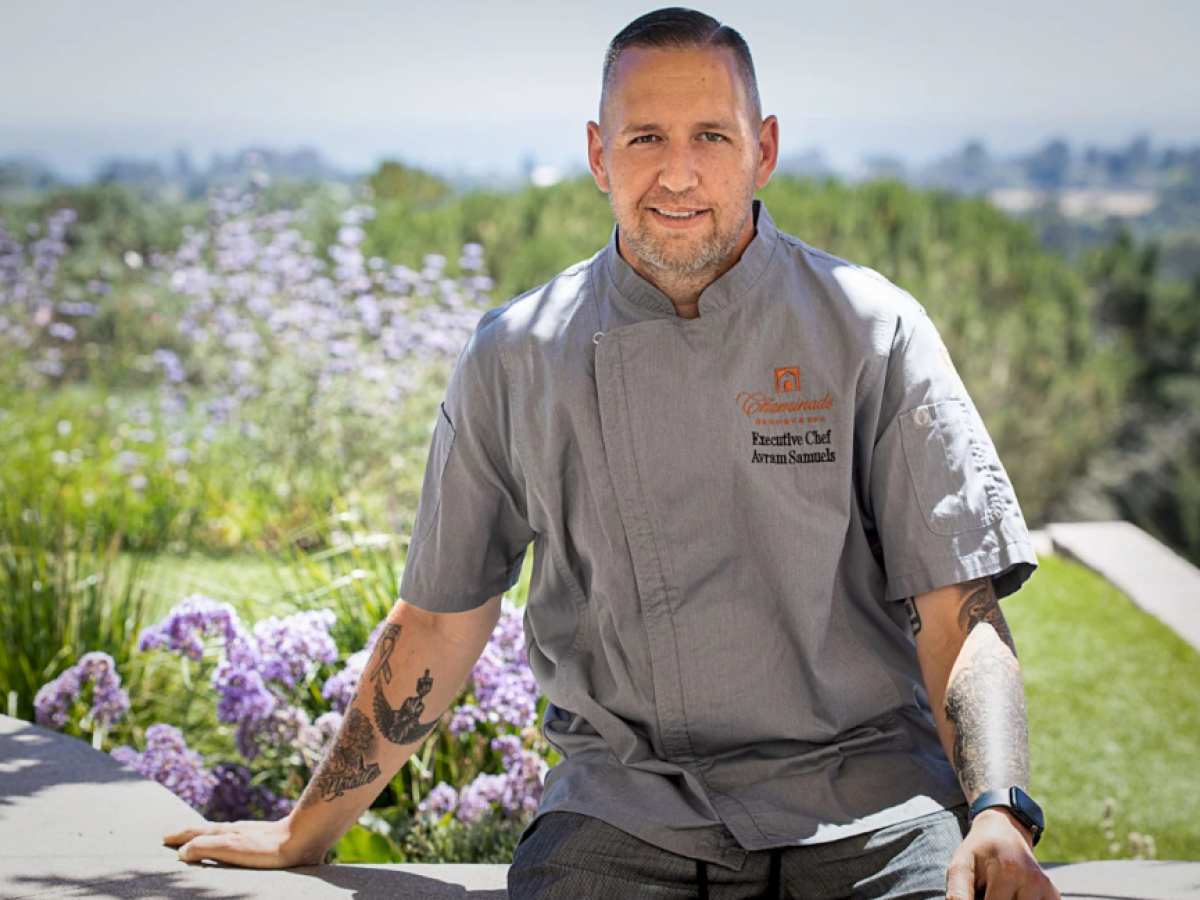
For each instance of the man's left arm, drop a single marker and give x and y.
(969, 663)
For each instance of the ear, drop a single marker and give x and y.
(596, 156)
(768, 149)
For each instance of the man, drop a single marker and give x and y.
(770, 532)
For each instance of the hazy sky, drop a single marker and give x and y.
(476, 86)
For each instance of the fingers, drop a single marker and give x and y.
(221, 848)
(960, 877)
(182, 837)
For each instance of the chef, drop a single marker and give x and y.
(769, 536)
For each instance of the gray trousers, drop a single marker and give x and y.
(567, 856)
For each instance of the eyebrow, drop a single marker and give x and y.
(715, 125)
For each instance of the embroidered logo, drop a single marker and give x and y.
(787, 379)
(799, 446)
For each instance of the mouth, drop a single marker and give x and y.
(677, 216)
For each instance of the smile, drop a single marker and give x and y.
(678, 218)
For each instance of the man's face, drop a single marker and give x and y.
(680, 159)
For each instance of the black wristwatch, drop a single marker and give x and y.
(1019, 803)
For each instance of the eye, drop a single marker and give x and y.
(711, 137)
(644, 139)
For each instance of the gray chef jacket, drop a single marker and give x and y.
(726, 513)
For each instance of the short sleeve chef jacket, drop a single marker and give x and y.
(725, 514)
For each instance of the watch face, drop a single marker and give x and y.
(1024, 806)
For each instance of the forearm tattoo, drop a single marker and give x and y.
(383, 653)
(914, 617)
(345, 767)
(402, 725)
(985, 702)
(399, 725)
(980, 605)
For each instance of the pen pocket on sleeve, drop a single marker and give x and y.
(947, 463)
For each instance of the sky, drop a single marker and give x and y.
(476, 87)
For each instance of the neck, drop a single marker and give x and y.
(683, 289)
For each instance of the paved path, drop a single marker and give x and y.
(74, 823)
(1155, 578)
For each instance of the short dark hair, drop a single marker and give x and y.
(676, 28)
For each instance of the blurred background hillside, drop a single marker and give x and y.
(241, 246)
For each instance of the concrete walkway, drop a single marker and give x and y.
(74, 823)
(1155, 577)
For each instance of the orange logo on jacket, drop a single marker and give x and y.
(787, 379)
(758, 405)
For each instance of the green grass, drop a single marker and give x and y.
(1114, 711)
(250, 582)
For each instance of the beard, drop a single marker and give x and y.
(682, 255)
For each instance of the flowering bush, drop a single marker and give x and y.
(279, 703)
(292, 376)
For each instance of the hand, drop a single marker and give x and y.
(254, 845)
(997, 855)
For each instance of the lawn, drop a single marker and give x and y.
(1114, 712)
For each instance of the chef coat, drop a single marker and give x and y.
(726, 513)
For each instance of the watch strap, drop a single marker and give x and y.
(1015, 801)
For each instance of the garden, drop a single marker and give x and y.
(214, 418)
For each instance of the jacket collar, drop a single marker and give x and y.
(722, 292)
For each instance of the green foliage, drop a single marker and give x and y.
(63, 593)
(396, 181)
(529, 236)
(1114, 712)
(490, 840)
(1153, 472)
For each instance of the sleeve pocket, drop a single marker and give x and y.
(948, 464)
(435, 468)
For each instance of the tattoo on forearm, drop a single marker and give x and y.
(345, 767)
(985, 702)
(914, 617)
(402, 725)
(383, 653)
(980, 605)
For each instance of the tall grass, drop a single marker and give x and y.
(64, 590)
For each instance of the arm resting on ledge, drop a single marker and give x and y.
(416, 670)
(969, 663)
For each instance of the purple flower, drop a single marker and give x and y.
(464, 719)
(510, 748)
(286, 727)
(234, 797)
(61, 330)
(477, 798)
(290, 647)
(504, 687)
(244, 696)
(109, 701)
(525, 776)
(339, 688)
(441, 800)
(54, 699)
(189, 622)
(168, 761)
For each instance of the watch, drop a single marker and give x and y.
(1019, 803)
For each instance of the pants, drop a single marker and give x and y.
(567, 856)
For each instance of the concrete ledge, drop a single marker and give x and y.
(76, 823)
(1154, 577)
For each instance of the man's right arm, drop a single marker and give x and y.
(417, 668)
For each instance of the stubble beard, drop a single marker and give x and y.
(711, 255)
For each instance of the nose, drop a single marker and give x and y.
(679, 169)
